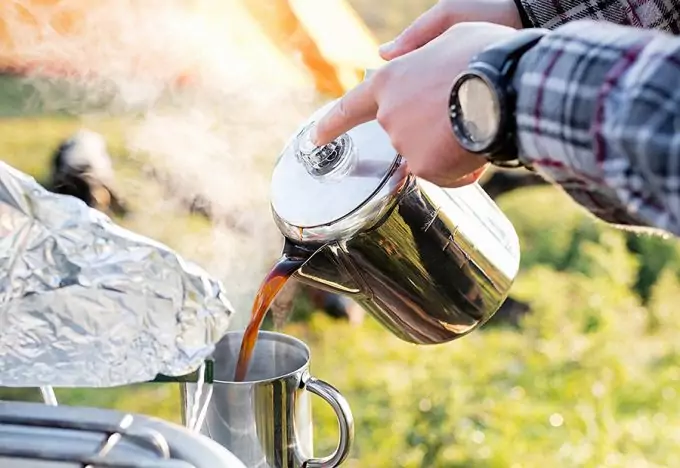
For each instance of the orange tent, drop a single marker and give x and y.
(298, 42)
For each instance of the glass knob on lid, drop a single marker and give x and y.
(333, 160)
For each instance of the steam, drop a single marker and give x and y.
(217, 138)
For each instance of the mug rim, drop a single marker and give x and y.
(279, 337)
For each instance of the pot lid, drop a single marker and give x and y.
(317, 186)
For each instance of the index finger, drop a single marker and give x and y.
(356, 107)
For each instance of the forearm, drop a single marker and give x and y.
(597, 111)
(663, 15)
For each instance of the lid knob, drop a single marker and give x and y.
(332, 160)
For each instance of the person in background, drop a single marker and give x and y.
(82, 168)
(592, 106)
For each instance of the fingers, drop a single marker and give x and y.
(356, 107)
(428, 26)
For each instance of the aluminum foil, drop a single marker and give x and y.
(86, 303)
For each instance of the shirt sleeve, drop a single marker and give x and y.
(598, 113)
(662, 15)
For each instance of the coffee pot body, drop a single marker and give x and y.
(431, 264)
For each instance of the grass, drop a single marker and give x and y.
(590, 378)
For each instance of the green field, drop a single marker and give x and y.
(590, 378)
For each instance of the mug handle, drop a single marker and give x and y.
(345, 422)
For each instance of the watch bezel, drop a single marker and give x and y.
(487, 146)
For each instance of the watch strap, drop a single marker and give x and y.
(501, 58)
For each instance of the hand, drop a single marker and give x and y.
(409, 98)
(445, 14)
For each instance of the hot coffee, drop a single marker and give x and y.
(270, 287)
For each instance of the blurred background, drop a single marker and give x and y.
(193, 100)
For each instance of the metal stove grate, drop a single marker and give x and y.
(147, 439)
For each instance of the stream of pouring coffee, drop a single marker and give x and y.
(270, 287)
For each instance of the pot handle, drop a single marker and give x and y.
(345, 422)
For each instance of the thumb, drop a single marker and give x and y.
(428, 26)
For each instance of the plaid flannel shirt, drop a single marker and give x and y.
(663, 15)
(598, 109)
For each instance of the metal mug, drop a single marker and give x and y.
(266, 420)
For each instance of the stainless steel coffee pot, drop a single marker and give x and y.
(430, 264)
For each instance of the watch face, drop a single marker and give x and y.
(479, 113)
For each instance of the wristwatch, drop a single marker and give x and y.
(482, 100)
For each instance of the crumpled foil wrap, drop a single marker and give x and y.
(86, 303)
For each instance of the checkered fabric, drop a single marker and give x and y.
(650, 14)
(598, 112)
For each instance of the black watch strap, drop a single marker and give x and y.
(501, 58)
